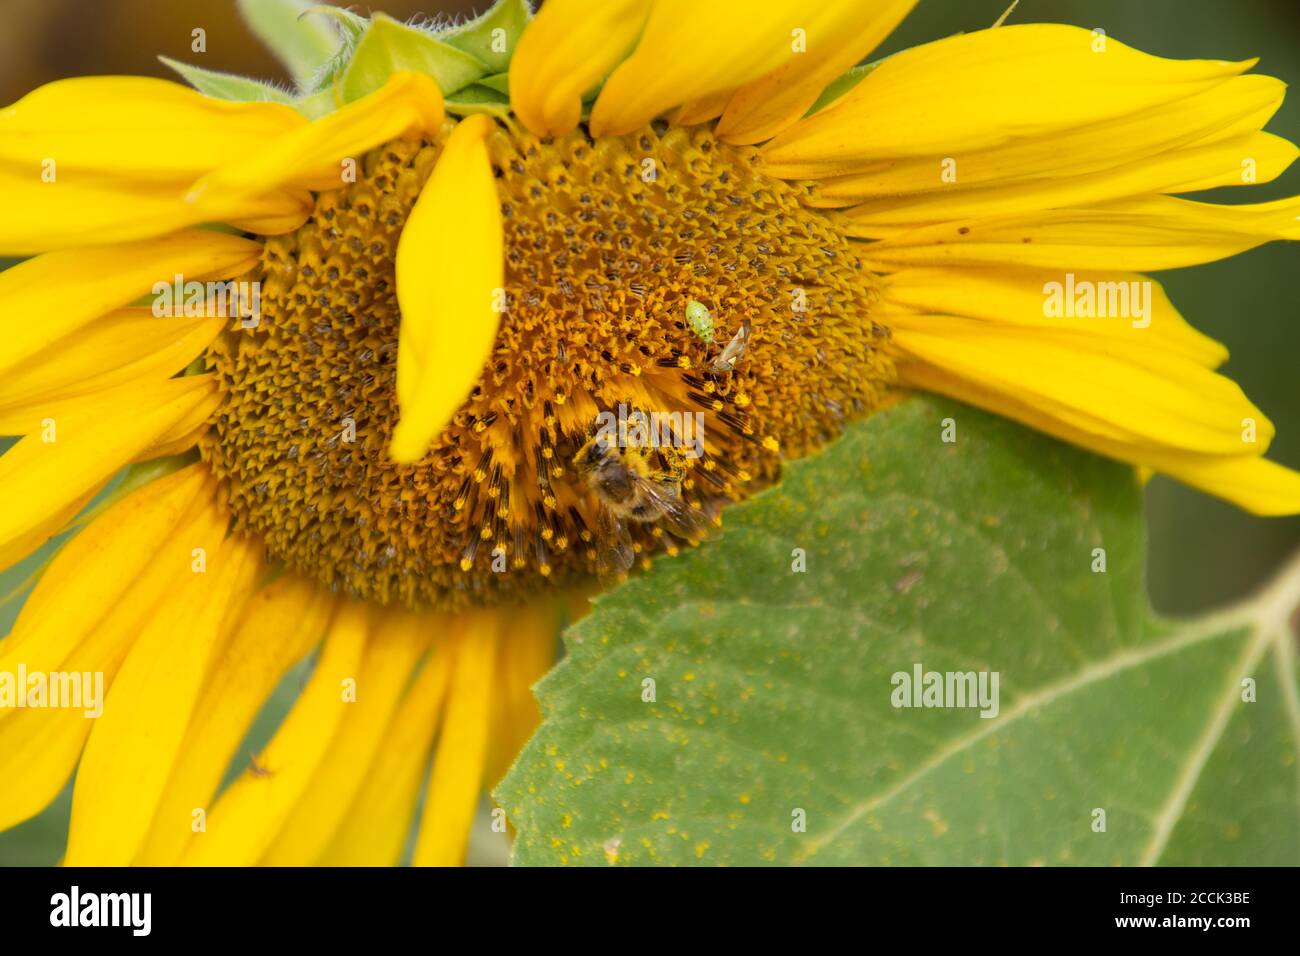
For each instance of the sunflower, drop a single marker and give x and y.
(311, 374)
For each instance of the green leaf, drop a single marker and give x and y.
(301, 43)
(228, 86)
(492, 37)
(773, 689)
(389, 46)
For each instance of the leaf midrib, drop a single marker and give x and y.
(1124, 660)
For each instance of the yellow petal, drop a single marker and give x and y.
(704, 110)
(281, 623)
(97, 565)
(127, 346)
(68, 289)
(81, 209)
(134, 127)
(458, 766)
(691, 49)
(41, 479)
(395, 646)
(129, 756)
(1018, 298)
(1145, 233)
(526, 654)
(449, 277)
(1257, 157)
(1121, 389)
(1259, 486)
(1240, 105)
(771, 104)
(180, 438)
(249, 814)
(565, 51)
(375, 828)
(84, 614)
(311, 156)
(979, 90)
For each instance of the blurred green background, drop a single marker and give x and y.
(1203, 552)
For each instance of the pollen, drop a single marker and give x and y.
(606, 244)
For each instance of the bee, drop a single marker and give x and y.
(735, 350)
(629, 488)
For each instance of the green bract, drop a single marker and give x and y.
(301, 42)
(228, 86)
(336, 56)
(388, 46)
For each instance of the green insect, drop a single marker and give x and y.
(699, 319)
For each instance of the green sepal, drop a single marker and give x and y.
(351, 27)
(476, 37)
(299, 42)
(389, 46)
(841, 85)
(228, 86)
(497, 81)
(477, 98)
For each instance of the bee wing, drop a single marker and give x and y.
(614, 552)
(675, 514)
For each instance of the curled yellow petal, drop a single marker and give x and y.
(312, 156)
(80, 210)
(1018, 298)
(99, 565)
(1261, 487)
(70, 288)
(690, 50)
(456, 779)
(93, 632)
(134, 127)
(1241, 105)
(390, 658)
(129, 345)
(772, 103)
(1177, 171)
(46, 476)
(374, 830)
(1123, 389)
(567, 49)
(450, 285)
(250, 813)
(129, 755)
(281, 623)
(978, 90)
(1148, 233)
(1161, 413)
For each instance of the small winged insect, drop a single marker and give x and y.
(256, 769)
(629, 489)
(735, 350)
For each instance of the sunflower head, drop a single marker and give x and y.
(480, 311)
(608, 248)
